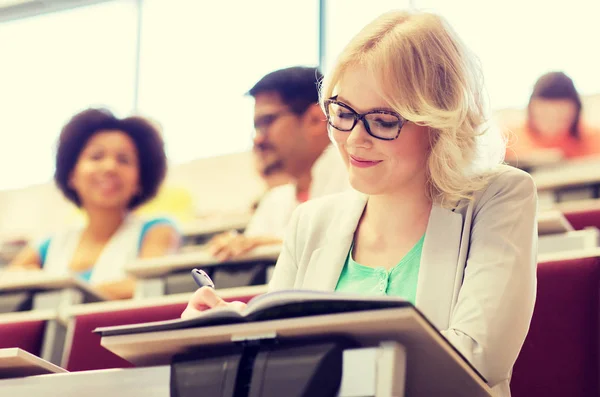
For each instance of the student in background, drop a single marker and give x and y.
(291, 139)
(108, 167)
(436, 218)
(271, 174)
(553, 122)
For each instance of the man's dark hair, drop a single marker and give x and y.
(298, 87)
(150, 146)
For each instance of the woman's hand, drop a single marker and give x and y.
(206, 298)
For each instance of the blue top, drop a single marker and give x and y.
(85, 275)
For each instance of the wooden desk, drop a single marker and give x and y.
(200, 231)
(134, 382)
(586, 239)
(574, 180)
(431, 357)
(158, 276)
(18, 280)
(53, 336)
(31, 315)
(50, 293)
(153, 267)
(17, 363)
(553, 222)
(98, 307)
(69, 315)
(569, 255)
(578, 206)
(537, 159)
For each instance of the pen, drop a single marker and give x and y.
(202, 279)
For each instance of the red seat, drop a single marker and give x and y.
(583, 219)
(86, 351)
(27, 335)
(560, 356)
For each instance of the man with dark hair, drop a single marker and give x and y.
(291, 138)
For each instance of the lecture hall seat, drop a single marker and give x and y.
(86, 351)
(560, 356)
(27, 335)
(583, 219)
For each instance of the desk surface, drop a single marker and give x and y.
(41, 280)
(553, 222)
(15, 362)
(578, 206)
(569, 255)
(433, 359)
(213, 226)
(568, 174)
(88, 308)
(539, 158)
(154, 267)
(131, 382)
(30, 315)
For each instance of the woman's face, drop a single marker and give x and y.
(552, 117)
(377, 166)
(106, 174)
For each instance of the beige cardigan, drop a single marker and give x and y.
(477, 279)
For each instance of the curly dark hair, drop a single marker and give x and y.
(152, 160)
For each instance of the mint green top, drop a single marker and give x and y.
(401, 280)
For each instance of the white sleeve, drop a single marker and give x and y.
(273, 213)
(286, 269)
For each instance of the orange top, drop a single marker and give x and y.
(302, 197)
(522, 141)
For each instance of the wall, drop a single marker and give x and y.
(221, 184)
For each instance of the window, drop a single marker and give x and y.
(518, 41)
(53, 66)
(198, 61)
(345, 18)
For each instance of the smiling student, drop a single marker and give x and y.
(108, 167)
(435, 218)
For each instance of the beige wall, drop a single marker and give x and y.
(219, 184)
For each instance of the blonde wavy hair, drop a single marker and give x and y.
(426, 74)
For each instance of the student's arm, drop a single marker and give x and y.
(495, 303)
(122, 289)
(286, 269)
(162, 239)
(266, 227)
(231, 244)
(28, 258)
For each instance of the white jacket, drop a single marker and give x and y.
(477, 278)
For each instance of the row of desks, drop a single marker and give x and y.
(552, 225)
(61, 320)
(61, 298)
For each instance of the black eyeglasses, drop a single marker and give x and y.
(380, 124)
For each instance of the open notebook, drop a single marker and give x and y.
(270, 306)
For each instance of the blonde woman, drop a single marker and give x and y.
(437, 219)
